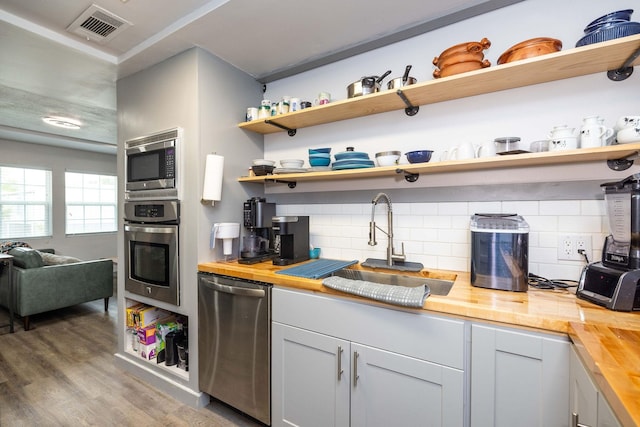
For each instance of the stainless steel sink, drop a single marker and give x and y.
(436, 286)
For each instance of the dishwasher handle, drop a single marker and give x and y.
(234, 290)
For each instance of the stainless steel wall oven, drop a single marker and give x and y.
(151, 249)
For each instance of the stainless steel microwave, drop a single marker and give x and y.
(152, 167)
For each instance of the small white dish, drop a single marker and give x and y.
(291, 163)
(264, 162)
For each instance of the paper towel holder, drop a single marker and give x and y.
(213, 172)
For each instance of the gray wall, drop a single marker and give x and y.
(60, 160)
(203, 95)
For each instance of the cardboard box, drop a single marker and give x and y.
(147, 316)
(131, 314)
(147, 352)
(147, 335)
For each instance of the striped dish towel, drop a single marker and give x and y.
(398, 295)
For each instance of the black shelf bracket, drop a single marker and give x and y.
(290, 184)
(624, 163)
(625, 70)
(410, 110)
(291, 132)
(409, 176)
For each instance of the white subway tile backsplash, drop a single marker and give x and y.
(579, 224)
(521, 208)
(484, 207)
(438, 235)
(559, 207)
(593, 207)
(453, 208)
(424, 209)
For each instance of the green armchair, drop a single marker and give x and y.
(39, 288)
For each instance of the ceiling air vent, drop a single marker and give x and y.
(98, 24)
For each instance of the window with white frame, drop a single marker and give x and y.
(91, 203)
(25, 202)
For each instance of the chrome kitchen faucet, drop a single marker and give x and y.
(391, 255)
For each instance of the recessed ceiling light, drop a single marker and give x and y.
(63, 122)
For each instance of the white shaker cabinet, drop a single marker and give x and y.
(310, 375)
(389, 389)
(518, 378)
(588, 407)
(340, 363)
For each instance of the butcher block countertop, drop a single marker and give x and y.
(607, 341)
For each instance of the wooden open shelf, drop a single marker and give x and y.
(612, 152)
(590, 59)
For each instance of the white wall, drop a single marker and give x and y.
(528, 112)
(60, 160)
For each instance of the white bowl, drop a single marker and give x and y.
(388, 159)
(628, 134)
(264, 162)
(291, 163)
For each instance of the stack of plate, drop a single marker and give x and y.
(352, 160)
(608, 27)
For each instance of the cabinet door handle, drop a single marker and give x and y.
(340, 371)
(574, 421)
(355, 368)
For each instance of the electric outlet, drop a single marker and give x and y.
(572, 246)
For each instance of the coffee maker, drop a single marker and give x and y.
(257, 244)
(292, 239)
(614, 282)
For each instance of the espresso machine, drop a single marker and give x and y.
(258, 242)
(614, 282)
(292, 239)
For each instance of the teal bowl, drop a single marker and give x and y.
(319, 150)
(319, 161)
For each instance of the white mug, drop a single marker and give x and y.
(323, 98)
(252, 113)
(294, 104)
(486, 150)
(463, 151)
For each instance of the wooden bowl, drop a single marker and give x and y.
(461, 67)
(463, 52)
(530, 48)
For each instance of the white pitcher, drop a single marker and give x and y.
(594, 133)
(463, 151)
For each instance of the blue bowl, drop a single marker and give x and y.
(320, 156)
(319, 161)
(419, 156)
(624, 15)
(319, 150)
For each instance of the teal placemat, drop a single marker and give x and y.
(317, 269)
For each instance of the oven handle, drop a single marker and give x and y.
(235, 290)
(145, 229)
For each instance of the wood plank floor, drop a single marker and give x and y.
(62, 373)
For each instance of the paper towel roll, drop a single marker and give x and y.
(213, 178)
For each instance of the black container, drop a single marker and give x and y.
(170, 349)
(500, 252)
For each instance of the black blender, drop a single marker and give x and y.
(614, 282)
(257, 244)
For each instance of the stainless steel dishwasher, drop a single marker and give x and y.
(234, 347)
